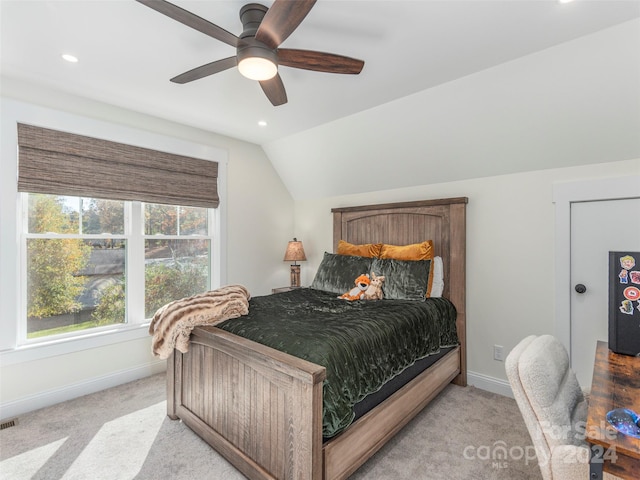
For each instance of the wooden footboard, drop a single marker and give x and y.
(262, 409)
(258, 407)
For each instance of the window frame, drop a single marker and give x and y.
(25, 236)
(16, 111)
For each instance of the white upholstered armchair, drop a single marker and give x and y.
(553, 406)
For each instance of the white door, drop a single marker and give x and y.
(597, 227)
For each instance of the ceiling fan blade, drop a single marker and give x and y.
(281, 20)
(206, 70)
(274, 90)
(319, 61)
(191, 20)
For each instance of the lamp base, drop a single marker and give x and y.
(295, 276)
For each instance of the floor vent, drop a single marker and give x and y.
(8, 424)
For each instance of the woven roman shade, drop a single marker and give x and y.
(60, 163)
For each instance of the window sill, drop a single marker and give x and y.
(38, 351)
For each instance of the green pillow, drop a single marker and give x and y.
(338, 273)
(404, 279)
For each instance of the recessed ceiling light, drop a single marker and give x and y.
(70, 58)
(565, 1)
(262, 123)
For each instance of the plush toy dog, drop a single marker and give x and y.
(357, 292)
(374, 290)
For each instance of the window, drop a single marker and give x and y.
(67, 162)
(110, 231)
(177, 254)
(75, 263)
(87, 261)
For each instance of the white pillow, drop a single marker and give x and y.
(437, 286)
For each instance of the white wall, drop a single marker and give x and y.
(510, 252)
(259, 222)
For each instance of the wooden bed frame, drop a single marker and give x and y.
(262, 409)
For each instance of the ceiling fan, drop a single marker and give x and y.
(257, 53)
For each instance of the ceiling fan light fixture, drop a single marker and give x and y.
(256, 61)
(257, 68)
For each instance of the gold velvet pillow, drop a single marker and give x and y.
(369, 250)
(415, 251)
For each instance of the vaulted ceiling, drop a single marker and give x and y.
(450, 89)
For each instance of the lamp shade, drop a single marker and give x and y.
(295, 251)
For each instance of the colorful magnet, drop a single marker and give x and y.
(624, 276)
(627, 262)
(626, 307)
(631, 293)
(635, 277)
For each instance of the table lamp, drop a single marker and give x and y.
(295, 253)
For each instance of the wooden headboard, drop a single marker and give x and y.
(443, 221)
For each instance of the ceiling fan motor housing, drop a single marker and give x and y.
(251, 16)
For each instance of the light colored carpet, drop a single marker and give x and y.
(123, 433)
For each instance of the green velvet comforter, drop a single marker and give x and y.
(362, 344)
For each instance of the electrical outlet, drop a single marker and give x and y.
(498, 353)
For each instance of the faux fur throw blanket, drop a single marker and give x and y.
(172, 324)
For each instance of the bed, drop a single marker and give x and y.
(262, 409)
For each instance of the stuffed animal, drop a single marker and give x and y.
(357, 292)
(374, 290)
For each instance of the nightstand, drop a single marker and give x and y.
(283, 289)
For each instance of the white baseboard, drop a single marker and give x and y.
(490, 384)
(47, 398)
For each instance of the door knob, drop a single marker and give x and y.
(580, 288)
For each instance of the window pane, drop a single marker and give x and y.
(102, 216)
(174, 269)
(73, 285)
(53, 214)
(174, 220)
(160, 219)
(193, 221)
